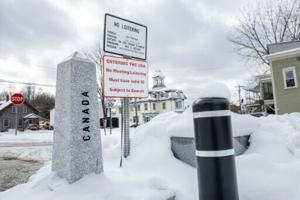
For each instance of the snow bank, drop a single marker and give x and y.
(243, 124)
(181, 125)
(277, 137)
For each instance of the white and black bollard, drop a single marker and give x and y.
(214, 150)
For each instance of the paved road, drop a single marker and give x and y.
(14, 172)
(36, 144)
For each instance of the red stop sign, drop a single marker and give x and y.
(17, 99)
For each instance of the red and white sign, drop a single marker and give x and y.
(125, 77)
(17, 99)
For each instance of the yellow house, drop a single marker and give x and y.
(160, 100)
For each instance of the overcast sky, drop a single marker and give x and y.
(187, 39)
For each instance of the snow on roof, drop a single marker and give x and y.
(33, 116)
(166, 93)
(4, 105)
(283, 54)
(252, 86)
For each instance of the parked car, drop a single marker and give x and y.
(134, 125)
(46, 125)
(33, 127)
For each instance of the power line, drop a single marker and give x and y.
(26, 83)
(34, 66)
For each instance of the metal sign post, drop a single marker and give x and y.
(125, 77)
(17, 99)
(16, 130)
(110, 122)
(126, 127)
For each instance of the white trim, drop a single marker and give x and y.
(219, 153)
(213, 113)
(274, 89)
(284, 70)
(283, 54)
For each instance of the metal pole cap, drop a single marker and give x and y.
(210, 104)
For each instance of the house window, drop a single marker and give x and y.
(25, 110)
(164, 105)
(147, 119)
(146, 106)
(178, 105)
(13, 109)
(153, 106)
(289, 77)
(20, 123)
(138, 107)
(267, 91)
(131, 108)
(6, 123)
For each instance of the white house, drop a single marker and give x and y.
(160, 100)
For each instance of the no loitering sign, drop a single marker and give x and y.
(125, 77)
(124, 37)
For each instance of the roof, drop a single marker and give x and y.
(283, 46)
(263, 77)
(8, 103)
(283, 50)
(4, 105)
(33, 116)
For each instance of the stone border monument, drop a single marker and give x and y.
(77, 147)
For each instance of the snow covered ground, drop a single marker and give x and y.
(269, 170)
(26, 136)
(28, 145)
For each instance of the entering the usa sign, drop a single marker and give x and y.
(125, 77)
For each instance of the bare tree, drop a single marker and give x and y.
(44, 102)
(95, 54)
(265, 23)
(4, 96)
(28, 92)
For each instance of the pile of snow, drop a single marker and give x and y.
(267, 171)
(278, 137)
(31, 153)
(181, 125)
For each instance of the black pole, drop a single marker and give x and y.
(214, 150)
